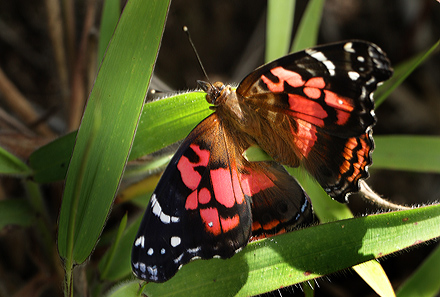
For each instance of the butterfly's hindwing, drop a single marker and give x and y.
(277, 208)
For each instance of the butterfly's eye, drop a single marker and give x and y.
(216, 91)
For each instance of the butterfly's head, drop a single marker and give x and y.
(215, 93)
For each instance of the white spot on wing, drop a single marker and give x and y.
(142, 267)
(175, 241)
(348, 47)
(353, 75)
(323, 59)
(330, 67)
(317, 55)
(194, 250)
(157, 210)
(166, 219)
(162, 251)
(370, 81)
(177, 260)
(150, 251)
(140, 241)
(152, 270)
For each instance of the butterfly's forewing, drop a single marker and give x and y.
(315, 109)
(186, 217)
(201, 207)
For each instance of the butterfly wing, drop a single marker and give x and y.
(186, 217)
(203, 205)
(318, 103)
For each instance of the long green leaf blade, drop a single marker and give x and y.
(407, 152)
(294, 257)
(109, 18)
(11, 165)
(424, 281)
(308, 29)
(401, 72)
(279, 26)
(108, 126)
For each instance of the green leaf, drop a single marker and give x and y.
(11, 165)
(155, 131)
(292, 257)
(105, 267)
(308, 29)
(115, 264)
(280, 14)
(166, 121)
(424, 281)
(107, 129)
(374, 275)
(407, 152)
(16, 212)
(50, 162)
(109, 19)
(126, 289)
(401, 72)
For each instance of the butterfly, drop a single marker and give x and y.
(312, 109)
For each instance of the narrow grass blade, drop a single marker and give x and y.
(109, 19)
(374, 275)
(280, 14)
(107, 129)
(11, 165)
(308, 29)
(105, 268)
(16, 212)
(116, 263)
(424, 282)
(401, 72)
(407, 152)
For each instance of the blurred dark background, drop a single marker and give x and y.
(230, 38)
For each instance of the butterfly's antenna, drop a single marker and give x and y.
(185, 29)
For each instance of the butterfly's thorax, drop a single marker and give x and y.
(225, 102)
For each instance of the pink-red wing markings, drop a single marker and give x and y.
(306, 107)
(222, 187)
(255, 181)
(226, 187)
(190, 177)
